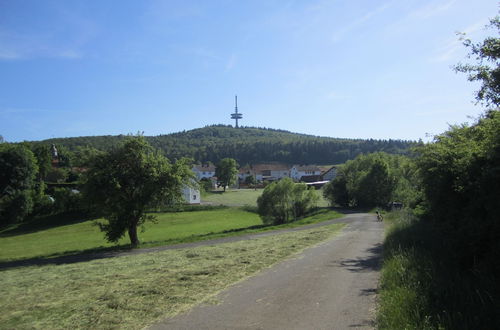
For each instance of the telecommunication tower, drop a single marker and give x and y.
(236, 115)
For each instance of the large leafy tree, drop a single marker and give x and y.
(486, 68)
(374, 180)
(123, 183)
(18, 171)
(226, 171)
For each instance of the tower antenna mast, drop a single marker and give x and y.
(236, 115)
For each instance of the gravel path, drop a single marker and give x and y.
(330, 286)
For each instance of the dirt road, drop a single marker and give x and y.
(330, 286)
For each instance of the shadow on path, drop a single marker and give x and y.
(372, 262)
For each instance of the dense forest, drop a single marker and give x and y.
(247, 145)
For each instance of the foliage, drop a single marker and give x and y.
(44, 160)
(285, 201)
(128, 180)
(461, 172)
(250, 180)
(422, 286)
(486, 70)
(226, 171)
(336, 191)
(18, 171)
(247, 145)
(83, 156)
(57, 175)
(206, 184)
(374, 180)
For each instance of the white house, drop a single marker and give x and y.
(271, 172)
(191, 195)
(329, 174)
(299, 171)
(204, 171)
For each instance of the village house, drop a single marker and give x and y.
(191, 195)
(265, 172)
(306, 173)
(328, 174)
(204, 171)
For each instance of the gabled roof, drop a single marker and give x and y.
(304, 168)
(270, 167)
(327, 169)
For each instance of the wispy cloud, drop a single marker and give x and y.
(359, 22)
(432, 9)
(453, 47)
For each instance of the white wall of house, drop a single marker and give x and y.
(191, 195)
(298, 172)
(280, 174)
(203, 172)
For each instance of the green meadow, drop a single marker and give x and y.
(170, 228)
(242, 197)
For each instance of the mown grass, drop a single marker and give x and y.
(171, 228)
(132, 292)
(422, 287)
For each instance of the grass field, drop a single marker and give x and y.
(171, 228)
(241, 197)
(134, 291)
(233, 197)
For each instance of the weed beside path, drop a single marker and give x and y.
(134, 291)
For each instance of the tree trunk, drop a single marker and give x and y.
(132, 233)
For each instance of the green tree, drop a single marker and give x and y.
(285, 201)
(18, 171)
(44, 159)
(123, 183)
(84, 155)
(250, 180)
(336, 191)
(374, 180)
(226, 171)
(486, 68)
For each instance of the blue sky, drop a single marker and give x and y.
(353, 69)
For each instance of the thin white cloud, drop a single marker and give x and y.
(452, 48)
(341, 33)
(432, 9)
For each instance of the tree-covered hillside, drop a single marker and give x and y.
(249, 145)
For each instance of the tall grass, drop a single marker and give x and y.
(423, 287)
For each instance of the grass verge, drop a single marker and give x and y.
(134, 291)
(422, 287)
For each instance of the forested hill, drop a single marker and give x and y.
(249, 145)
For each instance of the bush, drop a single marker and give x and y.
(285, 201)
(18, 170)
